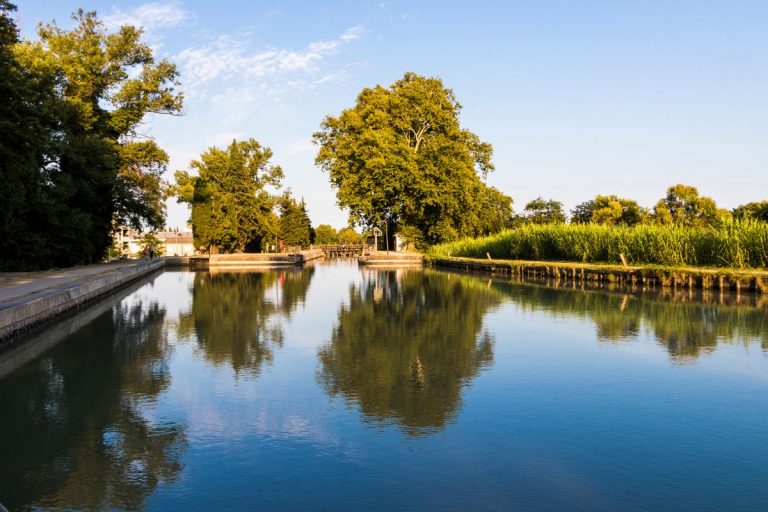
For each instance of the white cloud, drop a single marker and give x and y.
(227, 58)
(149, 16)
(352, 33)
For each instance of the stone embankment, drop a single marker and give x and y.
(29, 299)
(647, 276)
(33, 298)
(391, 259)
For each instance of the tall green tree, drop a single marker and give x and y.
(541, 211)
(400, 159)
(325, 234)
(295, 226)
(96, 169)
(683, 205)
(350, 236)
(610, 210)
(231, 204)
(25, 123)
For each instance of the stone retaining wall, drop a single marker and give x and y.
(690, 278)
(25, 312)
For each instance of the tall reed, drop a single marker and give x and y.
(737, 244)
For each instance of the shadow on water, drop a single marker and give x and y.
(236, 317)
(76, 434)
(405, 345)
(686, 324)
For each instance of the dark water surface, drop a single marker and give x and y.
(333, 388)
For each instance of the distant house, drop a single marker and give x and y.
(127, 242)
(178, 243)
(175, 243)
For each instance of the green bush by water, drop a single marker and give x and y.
(739, 244)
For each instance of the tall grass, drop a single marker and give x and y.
(738, 244)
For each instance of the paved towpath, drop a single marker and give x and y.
(27, 298)
(22, 286)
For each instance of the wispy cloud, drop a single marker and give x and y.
(230, 58)
(150, 16)
(352, 33)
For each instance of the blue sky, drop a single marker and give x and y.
(577, 98)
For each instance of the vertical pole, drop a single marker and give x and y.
(386, 235)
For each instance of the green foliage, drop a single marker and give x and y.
(140, 191)
(73, 165)
(23, 146)
(754, 211)
(295, 226)
(735, 244)
(609, 210)
(540, 211)
(400, 157)
(231, 210)
(350, 236)
(326, 235)
(683, 205)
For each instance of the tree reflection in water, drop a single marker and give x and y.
(406, 344)
(76, 433)
(236, 317)
(686, 325)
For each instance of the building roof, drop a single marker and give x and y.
(174, 237)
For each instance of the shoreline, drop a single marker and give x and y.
(651, 276)
(29, 300)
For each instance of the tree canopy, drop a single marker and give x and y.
(231, 206)
(74, 164)
(295, 226)
(610, 210)
(541, 211)
(325, 234)
(350, 236)
(683, 205)
(400, 158)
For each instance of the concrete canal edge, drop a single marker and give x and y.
(245, 260)
(43, 305)
(648, 276)
(40, 307)
(391, 258)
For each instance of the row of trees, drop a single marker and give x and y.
(682, 205)
(399, 158)
(72, 161)
(75, 166)
(235, 201)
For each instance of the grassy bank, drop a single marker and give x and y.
(734, 245)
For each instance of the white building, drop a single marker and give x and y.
(178, 243)
(175, 243)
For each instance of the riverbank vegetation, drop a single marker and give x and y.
(75, 168)
(734, 244)
(72, 161)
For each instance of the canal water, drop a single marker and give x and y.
(336, 388)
